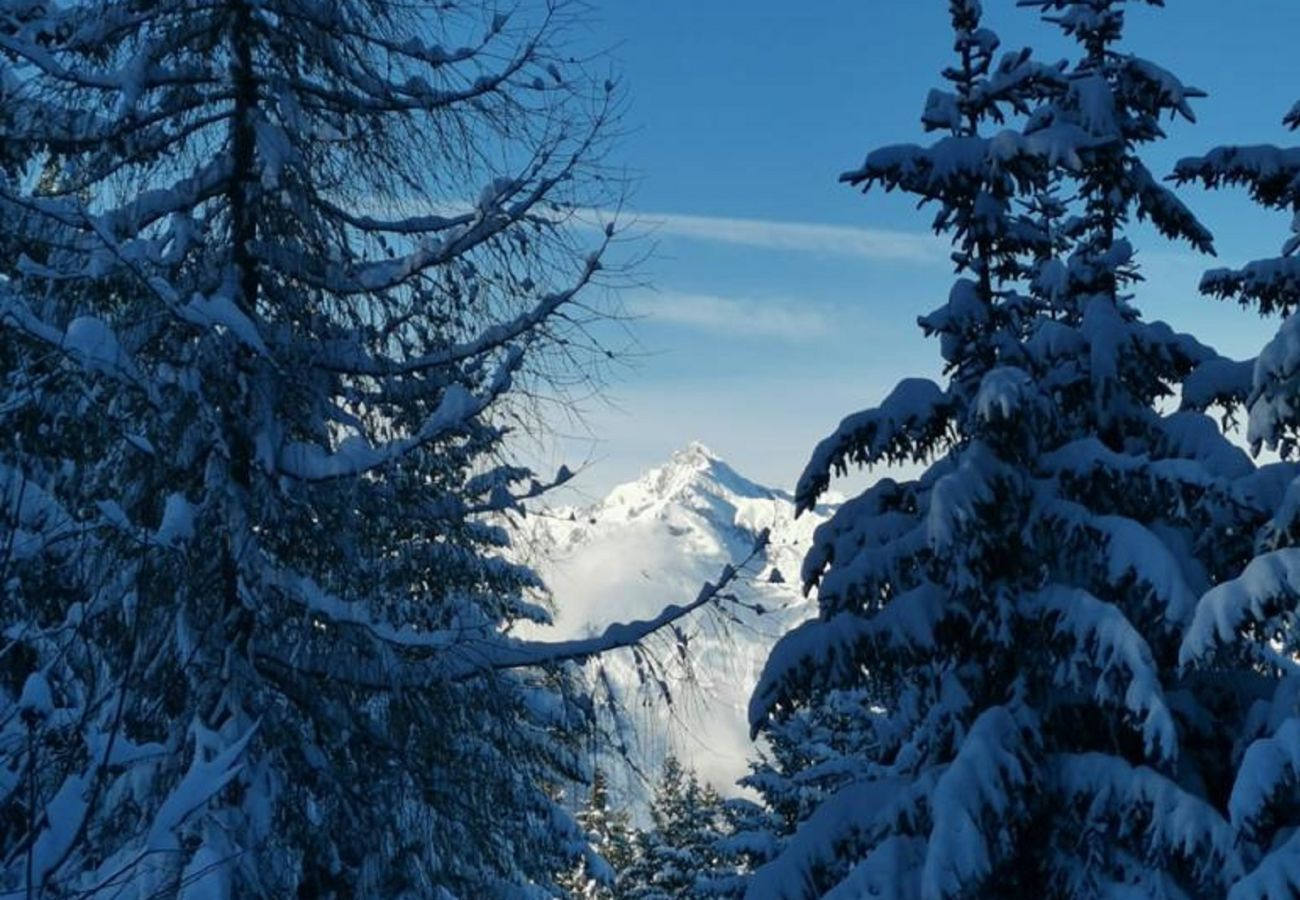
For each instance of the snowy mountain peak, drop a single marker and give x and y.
(694, 453)
(693, 478)
(655, 541)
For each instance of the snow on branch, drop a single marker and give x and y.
(1170, 215)
(1109, 649)
(988, 772)
(1269, 769)
(458, 656)
(1273, 414)
(832, 649)
(1269, 172)
(1133, 554)
(1175, 821)
(355, 456)
(212, 768)
(907, 426)
(87, 342)
(1269, 587)
(1196, 467)
(527, 654)
(891, 871)
(1273, 284)
(349, 361)
(1224, 381)
(1275, 878)
(855, 816)
(1189, 436)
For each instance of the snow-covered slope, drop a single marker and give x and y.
(655, 541)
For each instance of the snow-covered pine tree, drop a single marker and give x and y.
(1008, 623)
(277, 266)
(1244, 628)
(746, 841)
(810, 752)
(609, 832)
(645, 878)
(680, 849)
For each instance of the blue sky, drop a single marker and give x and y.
(782, 300)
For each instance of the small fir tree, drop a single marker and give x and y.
(674, 857)
(610, 836)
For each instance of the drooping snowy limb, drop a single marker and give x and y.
(1264, 488)
(1197, 438)
(973, 804)
(1226, 382)
(1273, 285)
(1194, 466)
(1170, 215)
(204, 778)
(957, 496)
(826, 653)
(1130, 552)
(906, 426)
(1277, 489)
(1275, 877)
(88, 343)
(1111, 659)
(489, 340)
(1274, 420)
(1269, 173)
(457, 408)
(66, 816)
(1269, 770)
(1169, 820)
(92, 726)
(854, 815)
(34, 520)
(1258, 601)
(458, 655)
(880, 533)
(61, 821)
(890, 871)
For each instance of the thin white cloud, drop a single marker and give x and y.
(799, 237)
(767, 234)
(778, 319)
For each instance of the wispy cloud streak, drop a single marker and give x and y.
(798, 237)
(780, 319)
(768, 234)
